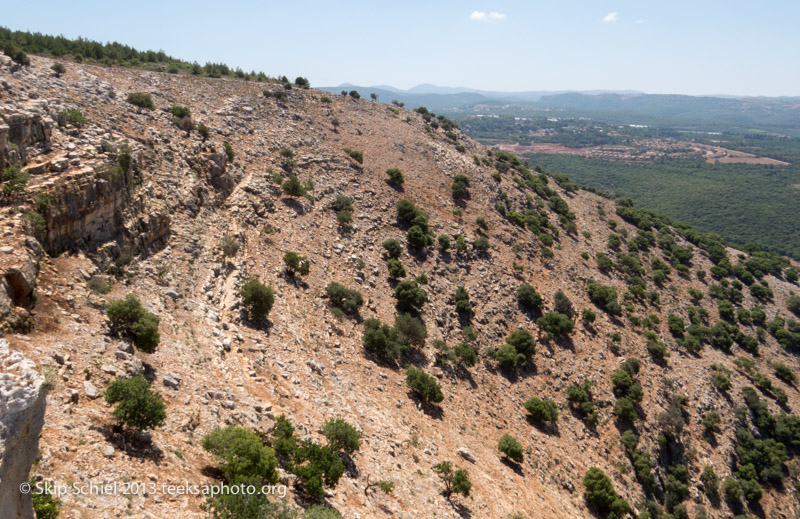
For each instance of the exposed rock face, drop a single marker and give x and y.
(21, 130)
(19, 268)
(22, 406)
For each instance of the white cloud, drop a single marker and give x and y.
(480, 16)
(611, 17)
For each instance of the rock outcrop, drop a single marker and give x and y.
(22, 406)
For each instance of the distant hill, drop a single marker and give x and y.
(769, 111)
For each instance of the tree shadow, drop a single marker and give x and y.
(293, 204)
(397, 187)
(513, 465)
(133, 443)
(461, 509)
(550, 429)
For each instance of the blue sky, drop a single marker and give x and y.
(687, 47)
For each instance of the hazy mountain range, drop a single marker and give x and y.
(767, 111)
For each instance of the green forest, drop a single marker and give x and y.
(743, 203)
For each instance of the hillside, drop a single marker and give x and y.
(130, 202)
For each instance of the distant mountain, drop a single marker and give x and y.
(772, 111)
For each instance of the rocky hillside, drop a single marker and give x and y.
(130, 202)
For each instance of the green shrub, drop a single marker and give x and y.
(542, 410)
(460, 187)
(555, 323)
(45, 506)
(395, 177)
(58, 68)
(322, 512)
(417, 238)
(581, 397)
(711, 422)
(604, 297)
(676, 325)
(355, 155)
(588, 315)
(342, 436)
(293, 187)
(257, 299)
(465, 355)
(463, 305)
(15, 179)
(393, 248)
(600, 493)
(630, 440)
(529, 298)
(354, 94)
(242, 453)
(412, 328)
(523, 342)
(508, 358)
(345, 299)
(409, 295)
(481, 244)
(130, 319)
(423, 385)
(141, 99)
(384, 341)
(230, 246)
(444, 242)
(784, 372)
(202, 130)
(396, 269)
(296, 264)
(138, 406)
(75, 118)
(511, 448)
(229, 153)
(709, 479)
(624, 410)
(455, 482)
(316, 467)
(793, 304)
(180, 111)
(733, 490)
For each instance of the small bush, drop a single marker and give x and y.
(393, 248)
(410, 296)
(342, 436)
(15, 179)
(141, 100)
(600, 493)
(460, 187)
(296, 263)
(59, 69)
(455, 482)
(45, 506)
(293, 187)
(345, 299)
(137, 405)
(230, 246)
(511, 448)
(243, 454)
(180, 111)
(463, 305)
(412, 328)
(202, 130)
(555, 323)
(130, 319)
(75, 118)
(384, 341)
(257, 299)
(542, 410)
(396, 269)
(444, 242)
(529, 298)
(395, 177)
(355, 155)
(481, 244)
(423, 385)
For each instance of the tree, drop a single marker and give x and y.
(793, 304)
(257, 299)
(137, 405)
(529, 298)
(58, 68)
(243, 454)
(417, 238)
(342, 436)
(202, 130)
(412, 328)
(624, 410)
(600, 491)
(130, 319)
(463, 305)
(523, 342)
(424, 386)
(395, 177)
(555, 323)
(396, 269)
(511, 448)
(542, 410)
(383, 340)
(393, 248)
(316, 467)
(460, 187)
(345, 299)
(293, 187)
(563, 305)
(482, 244)
(409, 295)
(508, 359)
(296, 263)
(141, 100)
(454, 482)
(354, 94)
(374, 96)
